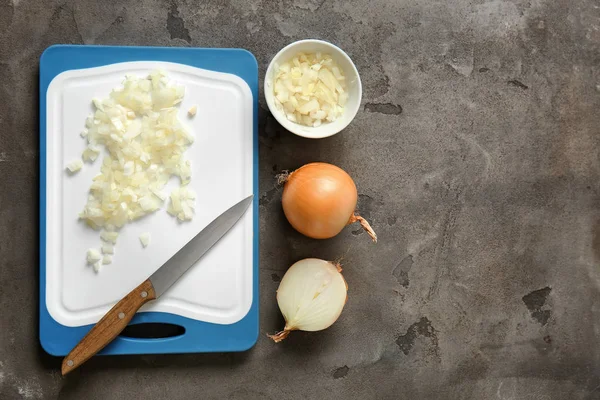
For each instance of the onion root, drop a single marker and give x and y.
(283, 177)
(338, 266)
(365, 225)
(279, 336)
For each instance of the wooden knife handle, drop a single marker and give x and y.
(109, 326)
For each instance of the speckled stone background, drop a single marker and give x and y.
(476, 155)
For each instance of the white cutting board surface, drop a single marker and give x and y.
(218, 289)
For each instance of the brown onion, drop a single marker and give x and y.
(319, 200)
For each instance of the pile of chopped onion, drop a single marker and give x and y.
(310, 89)
(138, 125)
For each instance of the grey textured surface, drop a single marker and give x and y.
(476, 155)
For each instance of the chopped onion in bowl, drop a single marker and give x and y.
(310, 89)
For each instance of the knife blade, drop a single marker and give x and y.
(115, 320)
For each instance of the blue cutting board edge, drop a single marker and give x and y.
(199, 337)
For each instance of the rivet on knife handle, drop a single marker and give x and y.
(109, 326)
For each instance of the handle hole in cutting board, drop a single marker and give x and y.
(152, 330)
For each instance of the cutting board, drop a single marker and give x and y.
(215, 305)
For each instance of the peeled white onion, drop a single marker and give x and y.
(310, 89)
(311, 296)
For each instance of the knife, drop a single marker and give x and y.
(115, 320)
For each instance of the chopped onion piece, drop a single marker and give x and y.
(109, 236)
(183, 203)
(145, 239)
(108, 248)
(107, 259)
(93, 255)
(74, 166)
(89, 154)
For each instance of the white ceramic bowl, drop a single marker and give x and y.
(354, 88)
